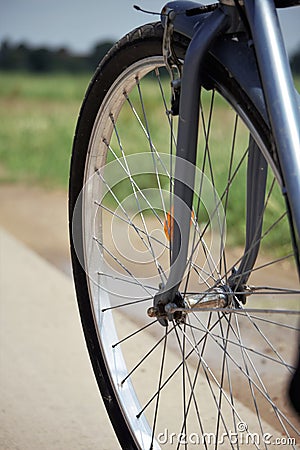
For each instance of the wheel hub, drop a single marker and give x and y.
(177, 309)
(167, 311)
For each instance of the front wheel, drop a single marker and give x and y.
(215, 376)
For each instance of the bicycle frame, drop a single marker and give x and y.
(262, 69)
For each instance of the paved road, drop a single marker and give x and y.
(48, 397)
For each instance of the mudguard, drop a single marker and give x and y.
(237, 56)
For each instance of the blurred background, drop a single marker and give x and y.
(78, 26)
(48, 52)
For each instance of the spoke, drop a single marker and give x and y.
(206, 133)
(128, 221)
(272, 290)
(146, 134)
(121, 265)
(121, 206)
(134, 184)
(243, 311)
(262, 290)
(251, 290)
(209, 257)
(194, 248)
(199, 365)
(266, 233)
(159, 387)
(152, 150)
(227, 192)
(122, 305)
(277, 324)
(199, 271)
(221, 281)
(268, 264)
(277, 412)
(213, 268)
(143, 359)
(192, 395)
(134, 333)
(140, 211)
(203, 339)
(209, 373)
(242, 346)
(257, 328)
(229, 379)
(208, 158)
(113, 277)
(243, 353)
(184, 371)
(224, 364)
(262, 390)
(258, 229)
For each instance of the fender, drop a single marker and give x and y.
(238, 57)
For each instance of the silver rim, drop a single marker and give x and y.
(215, 379)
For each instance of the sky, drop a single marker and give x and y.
(80, 24)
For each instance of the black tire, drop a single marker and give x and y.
(141, 43)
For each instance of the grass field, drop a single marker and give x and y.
(37, 121)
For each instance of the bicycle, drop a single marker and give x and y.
(185, 224)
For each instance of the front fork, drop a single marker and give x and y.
(216, 23)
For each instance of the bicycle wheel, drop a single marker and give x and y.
(215, 376)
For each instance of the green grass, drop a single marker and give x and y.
(60, 87)
(297, 83)
(37, 121)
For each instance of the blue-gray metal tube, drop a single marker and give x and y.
(187, 145)
(280, 95)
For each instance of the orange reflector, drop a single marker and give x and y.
(168, 224)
